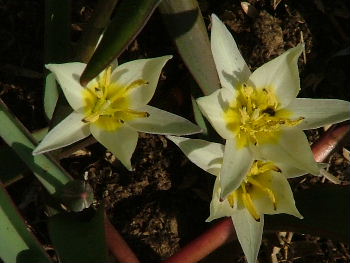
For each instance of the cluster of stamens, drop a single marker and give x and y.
(253, 183)
(108, 104)
(255, 116)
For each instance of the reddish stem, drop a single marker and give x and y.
(329, 141)
(117, 245)
(207, 242)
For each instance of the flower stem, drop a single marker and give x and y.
(117, 245)
(329, 141)
(207, 242)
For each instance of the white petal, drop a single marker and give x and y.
(229, 62)
(213, 108)
(319, 112)
(143, 69)
(290, 171)
(68, 75)
(293, 149)
(281, 74)
(206, 155)
(121, 143)
(236, 164)
(280, 187)
(163, 122)
(68, 131)
(249, 233)
(218, 208)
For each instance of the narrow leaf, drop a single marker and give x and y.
(48, 172)
(57, 50)
(57, 30)
(129, 19)
(185, 24)
(14, 168)
(78, 238)
(17, 244)
(94, 29)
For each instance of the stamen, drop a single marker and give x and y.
(107, 77)
(91, 118)
(138, 114)
(231, 198)
(135, 84)
(248, 203)
(254, 116)
(269, 192)
(98, 92)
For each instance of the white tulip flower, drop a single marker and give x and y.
(263, 190)
(113, 108)
(258, 113)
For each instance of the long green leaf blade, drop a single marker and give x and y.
(129, 19)
(57, 50)
(78, 239)
(185, 24)
(17, 244)
(48, 172)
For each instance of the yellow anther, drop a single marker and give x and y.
(269, 192)
(138, 114)
(106, 80)
(91, 118)
(231, 198)
(255, 116)
(248, 203)
(136, 83)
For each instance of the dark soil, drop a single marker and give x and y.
(163, 204)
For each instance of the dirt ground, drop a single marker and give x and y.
(163, 204)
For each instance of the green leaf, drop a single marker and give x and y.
(40, 134)
(48, 172)
(326, 213)
(185, 24)
(129, 19)
(14, 168)
(17, 244)
(93, 31)
(57, 50)
(78, 238)
(57, 31)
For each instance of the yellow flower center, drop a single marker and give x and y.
(255, 118)
(256, 181)
(108, 104)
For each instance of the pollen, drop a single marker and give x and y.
(256, 185)
(107, 103)
(255, 117)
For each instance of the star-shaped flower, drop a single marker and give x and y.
(263, 190)
(113, 108)
(258, 113)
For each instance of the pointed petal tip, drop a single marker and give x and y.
(214, 17)
(35, 152)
